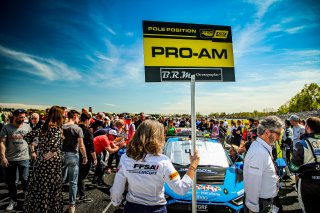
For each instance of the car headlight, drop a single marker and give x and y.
(238, 201)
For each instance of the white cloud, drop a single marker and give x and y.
(118, 61)
(129, 34)
(290, 30)
(23, 106)
(111, 105)
(102, 57)
(98, 19)
(304, 53)
(248, 38)
(110, 30)
(49, 69)
(287, 20)
(262, 6)
(269, 91)
(30, 106)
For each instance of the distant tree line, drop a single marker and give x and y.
(307, 99)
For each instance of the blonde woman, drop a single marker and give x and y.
(146, 170)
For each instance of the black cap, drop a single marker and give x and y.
(18, 111)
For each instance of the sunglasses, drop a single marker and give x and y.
(278, 133)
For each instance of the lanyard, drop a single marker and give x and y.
(272, 159)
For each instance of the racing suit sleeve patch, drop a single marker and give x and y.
(173, 175)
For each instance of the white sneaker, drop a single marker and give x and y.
(72, 209)
(11, 205)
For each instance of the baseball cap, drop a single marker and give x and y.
(107, 118)
(18, 111)
(293, 118)
(113, 132)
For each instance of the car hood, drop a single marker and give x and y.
(213, 184)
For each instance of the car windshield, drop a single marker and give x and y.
(211, 153)
(187, 132)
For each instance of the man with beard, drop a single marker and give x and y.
(15, 154)
(260, 173)
(141, 119)
(203, 125)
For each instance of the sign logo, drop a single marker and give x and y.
(143, 169)
(183, 74)
(221, 34)
(206, 33)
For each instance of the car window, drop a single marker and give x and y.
(211, 153)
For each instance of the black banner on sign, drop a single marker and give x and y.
(178, 74)
(214, 33)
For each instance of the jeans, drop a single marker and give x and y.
(134, 208)
(71, 169)
(11, 174)
(83, 173)
(110, 160)
(99, 172)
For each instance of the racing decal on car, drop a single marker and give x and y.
(202, 197)
(209, 171)
(240, 192)
(174, 175)
(144, 169)
(208, 188)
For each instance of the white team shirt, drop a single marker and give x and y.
(146, 180)
(297, 132)
(259, 174)
(225, 124)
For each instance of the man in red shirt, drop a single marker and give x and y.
(101, 143)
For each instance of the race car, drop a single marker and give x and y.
(219, 182)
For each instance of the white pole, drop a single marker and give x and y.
(193, 140)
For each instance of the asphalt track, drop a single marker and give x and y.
(101, 201)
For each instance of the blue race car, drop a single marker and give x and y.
(219, 182)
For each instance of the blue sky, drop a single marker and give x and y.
(90, 53)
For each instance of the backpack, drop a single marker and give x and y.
(310, 170)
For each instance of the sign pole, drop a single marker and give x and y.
(193, 140)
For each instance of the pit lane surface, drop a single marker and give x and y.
(101, 201)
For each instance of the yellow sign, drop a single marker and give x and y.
(187, 53)
(175, 51)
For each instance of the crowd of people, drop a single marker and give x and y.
(63, 145)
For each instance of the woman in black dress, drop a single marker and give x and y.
(44, 192)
